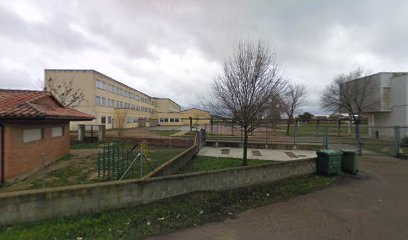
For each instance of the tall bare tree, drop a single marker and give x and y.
(65, 92)
(293, 98)
(352, 93)
(251, 78)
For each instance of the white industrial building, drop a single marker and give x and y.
(390, 103)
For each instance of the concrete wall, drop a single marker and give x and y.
(24, 206)
(174, 164)
(23, 158)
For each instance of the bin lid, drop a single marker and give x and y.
(329, 152)
(349, 151)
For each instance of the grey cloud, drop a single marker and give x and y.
(303, 34)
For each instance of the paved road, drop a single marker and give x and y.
(375, 206)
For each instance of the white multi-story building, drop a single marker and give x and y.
(390, 103)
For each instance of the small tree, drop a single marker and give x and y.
(251, 78)
(275, 111)
(65, 92)
(120, 119)
(306, 116)
(293, 98)
(352, 93)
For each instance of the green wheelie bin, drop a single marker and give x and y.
(329, 162)
(349, 161)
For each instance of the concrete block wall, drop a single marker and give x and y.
(164, 141)
(175, 163)
(25, 206)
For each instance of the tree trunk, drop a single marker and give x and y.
(358, 137)
(288, 126)
(244, 158)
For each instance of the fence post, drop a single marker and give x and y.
(359, 143)
(326, 138)
(81, 132)
(339, 128)
(191, 124)
(216, 141)
(266, 137)
(295, 132)
(397, 137)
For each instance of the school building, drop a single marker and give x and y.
(117, 105)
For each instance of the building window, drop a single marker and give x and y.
(109, 119)
(100, 84)
(129, 120)
(103, 120)
(98, 100)
(177, 119)
(103, 103)
(171, 119)
(57, 131)
(161, 119)
(166, 120)
(30, 135)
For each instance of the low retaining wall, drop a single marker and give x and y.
(165, 141)
(283, 146)
(25, 206)
(175, 163)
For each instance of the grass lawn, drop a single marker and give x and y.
(85, 145)
(205, 163)
(80, 167)
(164, 133)
(157, 156)
(167, 215)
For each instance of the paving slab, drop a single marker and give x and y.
(259, 154)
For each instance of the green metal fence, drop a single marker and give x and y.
(115, 160)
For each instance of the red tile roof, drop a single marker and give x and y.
(23, 104)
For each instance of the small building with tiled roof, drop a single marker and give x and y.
(34, 131)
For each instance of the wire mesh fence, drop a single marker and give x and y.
(330, 134)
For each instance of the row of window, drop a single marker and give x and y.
(35, 134)
(101, 101)
(108, 119)
(169, 119)
(122, 92)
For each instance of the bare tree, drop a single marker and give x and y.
(293, 99)
(352, 93)
(275, 111)
(120, 118)
(251, 78)
(65, 92)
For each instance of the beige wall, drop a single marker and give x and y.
(86, 80)
(200, 117)
(166, 105)
(173, 118)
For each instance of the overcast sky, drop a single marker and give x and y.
(174, 48)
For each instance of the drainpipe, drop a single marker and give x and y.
(2, 155)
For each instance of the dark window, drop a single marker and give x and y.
(171, 119)
(109, 120)
(177, 120)
(166, 120)
(103, 120)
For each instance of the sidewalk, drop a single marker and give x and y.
(259, 154)
(373, 206)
